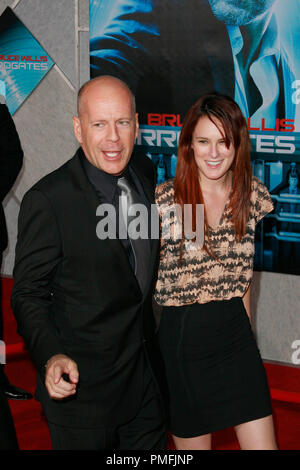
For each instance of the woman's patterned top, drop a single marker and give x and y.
(201, 277)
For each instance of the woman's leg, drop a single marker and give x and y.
(258, 434)
(254, 435)
(193, 443)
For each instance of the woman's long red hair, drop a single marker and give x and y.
(222, 110)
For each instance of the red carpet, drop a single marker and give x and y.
(32, 430)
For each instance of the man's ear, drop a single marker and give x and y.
(77, 128)
(136, 125)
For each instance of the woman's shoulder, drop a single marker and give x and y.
(260, 199)
(257, 183)
(164, 192)
(258, 188)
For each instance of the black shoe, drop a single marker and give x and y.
(15, 393)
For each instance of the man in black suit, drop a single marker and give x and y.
(83, 302)
(11, 158)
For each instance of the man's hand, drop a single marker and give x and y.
(57, 387)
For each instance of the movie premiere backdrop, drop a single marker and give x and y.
(23, 62)
(172, 51)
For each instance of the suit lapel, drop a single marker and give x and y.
(92, 201)
(149, 190)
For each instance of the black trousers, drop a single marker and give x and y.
(146, 431)
(3, 379)
(8, 438)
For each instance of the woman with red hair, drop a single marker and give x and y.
(215, 373)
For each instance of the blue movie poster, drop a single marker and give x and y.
(172, 51)
(23, 62)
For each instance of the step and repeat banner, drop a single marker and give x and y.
(172, 51)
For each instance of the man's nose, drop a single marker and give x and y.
(112, 132)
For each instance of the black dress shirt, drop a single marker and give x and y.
(108, 191)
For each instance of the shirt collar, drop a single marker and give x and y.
(100, 180)
(269, 42)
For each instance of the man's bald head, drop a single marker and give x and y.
(102, 81)
(107, 125)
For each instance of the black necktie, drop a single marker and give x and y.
(140, 246)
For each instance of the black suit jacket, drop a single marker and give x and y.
(11, 159)
(77, 295)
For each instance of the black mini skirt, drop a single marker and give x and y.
(215, 373)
